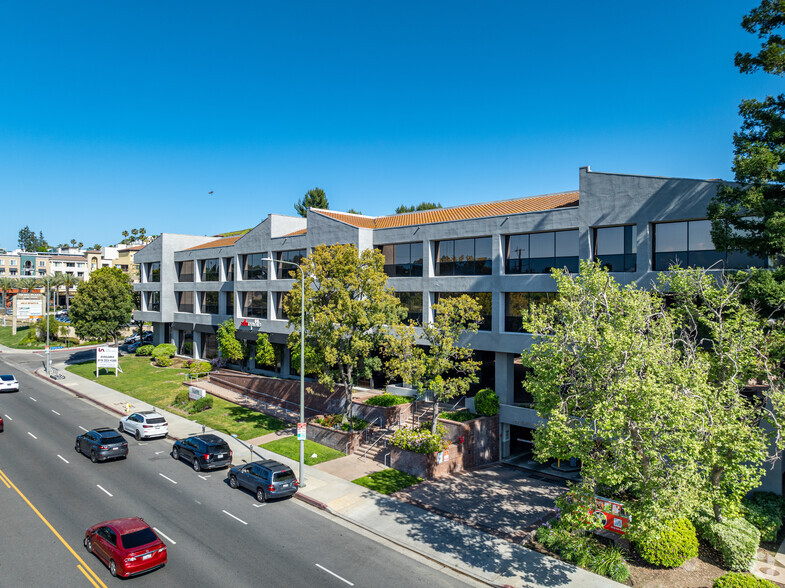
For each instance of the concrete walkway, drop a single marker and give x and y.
(481, 556)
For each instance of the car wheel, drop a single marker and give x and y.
(233, 481)
(88, 544)
(138, 435)
(93, 456)
(113, 568)
(196, 465)
(260, 495)
(175, 452)
(120, 427)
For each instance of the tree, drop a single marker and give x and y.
(265, 352)
(73, 242)
(751, 217)
(229, 346)
(615, 392)
(102, 305)
(421, 206)
(27, 284)
(97, 246)
(314, 198)
(69, 281)
(353, 211)
(28, 241)
(7, 284)
(347, 302)
(445, 367)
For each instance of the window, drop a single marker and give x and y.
(253, 267)
(412, 302)
(464, 257)
(689, 244)
(484, 300)
(280, 313)
(255, 304)
(402, 260)
(2, 261)
(153, 271)
(285, 271)
(2, 271)
(13, 272)
(538, 253)
(13, 262)
(517, 302)
(229, 296)
(185, 271)
(209, 270)
(41, 263)
(615, 248)
(209, 302)
(72, 264)
(185, 301)
(229, 268)
(153, 301)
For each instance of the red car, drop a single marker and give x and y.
(128, 546)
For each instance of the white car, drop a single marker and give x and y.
(144, 425)
(8, 383)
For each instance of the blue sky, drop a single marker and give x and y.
(116, 115)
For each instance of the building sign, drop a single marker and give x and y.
(195, 393)
(106, 357)
(254, 323)
(611, 514)
(29, 309)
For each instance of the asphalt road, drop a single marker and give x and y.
(216, 536)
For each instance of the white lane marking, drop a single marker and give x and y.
(64, 459)
(167, 477)
(235, 518)
(81, 427)
(203, 477)
(196, 501)
(104, 489)
(33, 436)
(8, 417)
(158, 452)
(57, 413)
(169, 539)
(334, 574)
(258, 505)
(33, 399)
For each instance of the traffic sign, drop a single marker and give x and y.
(301, 429)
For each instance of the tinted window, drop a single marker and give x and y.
(155, 421)
(285, 476)
(138, 538)
(218, 449)
(7, 378)
(112, 439)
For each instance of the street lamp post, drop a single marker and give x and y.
(48, 356)
(302, 360)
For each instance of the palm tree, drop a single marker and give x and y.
(69, 280)
(27, 284)
(6, 284)
(54, 283)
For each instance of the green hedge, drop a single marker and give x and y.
(388, 400)
(164, 350)
(736, 540)
(460, 416)
(144, 350)
(669, 546)
(421, 440)
(486, 403)
(181, 399)
(198, 366)
(584, 551)
(737, 580)
(202, 404)
(336, 420)
(765, 510)
(163, 361)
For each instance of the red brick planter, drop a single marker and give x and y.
(335, 438)
(426, 465)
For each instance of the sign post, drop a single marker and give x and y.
(106, 357)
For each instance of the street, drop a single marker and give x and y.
(49, 494)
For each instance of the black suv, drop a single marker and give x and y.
(268, 479)
(203, 452)
(101, 444)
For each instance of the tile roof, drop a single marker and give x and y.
(297, 232)
(68, 258)
(225, 242)
(470, 211)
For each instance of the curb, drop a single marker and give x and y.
(313, 502)
(78, 394)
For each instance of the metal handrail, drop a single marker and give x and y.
(384, 436)
(368, 428)
(457, 403)
(401, 419)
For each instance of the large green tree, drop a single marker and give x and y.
(445, 366)
(314, 198)
(102, 305)
(28, 241)
(229, 347)
(347, 304)
(751, 216)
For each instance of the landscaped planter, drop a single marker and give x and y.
(427, 465)
(338, 439)
(384, 416)
(480, 439)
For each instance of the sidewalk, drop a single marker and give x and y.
(480, 556)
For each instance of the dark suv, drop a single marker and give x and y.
(268, 479)
(101, 444)
(203, 452)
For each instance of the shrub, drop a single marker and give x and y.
(164, 350)
(486, 403)
(336, 421)
(163, 361)
(199, 367)
(584, 551)
(182, 398)
(202, 404)
(460, 416)
(388, 400)
(144, 350)
(669, 546)
(737, 580)
(736, 540)
(188, 348)
(765, 510)
(421, 440)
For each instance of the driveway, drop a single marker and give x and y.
(499, 499)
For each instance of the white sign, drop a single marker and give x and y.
(301, 429)
(106, 357)
(26, 309)
(195, 393)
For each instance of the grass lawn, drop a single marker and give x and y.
(15, 341)
(290, 447)
(158, 386)
(388, 481)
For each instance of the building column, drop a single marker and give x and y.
(197, 339)
(505, 390)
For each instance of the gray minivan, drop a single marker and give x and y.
(267, 479)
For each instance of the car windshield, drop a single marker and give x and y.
(7, 378)
(115, 439)
(285, 476)
(139, 538)
(155, 421)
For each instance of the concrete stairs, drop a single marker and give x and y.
(373, 446)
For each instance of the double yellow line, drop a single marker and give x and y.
(82, 566)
